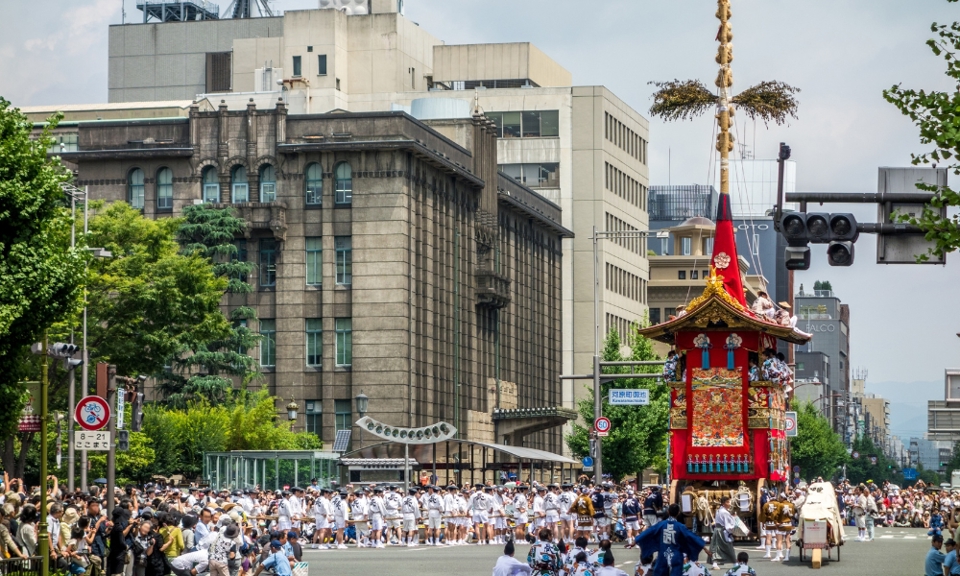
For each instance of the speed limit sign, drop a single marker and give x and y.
(602, 426)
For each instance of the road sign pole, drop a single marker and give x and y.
(597, 412)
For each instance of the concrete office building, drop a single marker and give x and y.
(876, 412)
(943, 416)
(931, 454)
(392, 258)
(821, 313)
(580, 147)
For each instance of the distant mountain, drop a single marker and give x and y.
(908, 404)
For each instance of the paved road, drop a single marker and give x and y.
(895, 552)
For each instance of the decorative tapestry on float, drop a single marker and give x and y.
(717, 408)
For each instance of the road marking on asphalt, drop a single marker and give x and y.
(909, 537)
(887, 536)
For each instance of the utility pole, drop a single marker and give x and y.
(43, 537)
(112, 428)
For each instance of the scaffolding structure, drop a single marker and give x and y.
(178, 10)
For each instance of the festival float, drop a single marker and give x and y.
(727, 434)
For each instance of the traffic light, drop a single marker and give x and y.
(61, 350)
(801, 229)
(137, 412)
(123, 440)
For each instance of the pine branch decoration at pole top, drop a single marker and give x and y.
(769, 101)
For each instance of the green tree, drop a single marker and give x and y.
(935, 114)
(40, 276)
(816, 448)
(823, 285)
(133, 466)
(638, 435)
(206, 373)
(181, 436)
(150, 304)
(872, 463)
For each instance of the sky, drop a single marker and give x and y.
(842, 54)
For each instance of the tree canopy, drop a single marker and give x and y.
(935, 114)
(206, 373)
(149, 304)
(816, 448)
(638, 436)
(40, 276)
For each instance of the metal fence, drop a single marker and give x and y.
(18, 567)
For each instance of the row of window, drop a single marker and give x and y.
(313, 329)
(625, 187)
(343, 256)
(528, 124)
(626, 284)
(543, 175)
(694, 274)
(635, 245)
(622, 326)
(343, 415)
(321, 64)
(625, 138)
(240, 185)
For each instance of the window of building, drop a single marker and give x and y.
(313, 416)
(242, 326)
(268, 262)
(322, 65)
(706, 274)
(211, 185)
(694, 274)
(664, 246)
(756, 245)
(682, 275)
(165, 189)
(343, 246)
(135, 188)
(314, 183)
(344, 414)
(219, 71)
(296, 66)
(544, 175)
(686, 246)
(314, 342)
(63, 143)
(526, 124)
(799, 366)
(314, 261)
(709, 246)
(238, 185)
(268, 183)
(344, 327)
(344, 178)
(268, 342)
(655, 316)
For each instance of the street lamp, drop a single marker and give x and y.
(292, 411)
(362, 403)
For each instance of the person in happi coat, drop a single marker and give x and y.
(671, 541)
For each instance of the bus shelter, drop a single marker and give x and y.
(463, 462)
(269, 469)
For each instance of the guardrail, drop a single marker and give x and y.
(20, 567)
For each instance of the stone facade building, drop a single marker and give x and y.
(393, 259)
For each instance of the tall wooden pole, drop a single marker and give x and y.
(724, 83)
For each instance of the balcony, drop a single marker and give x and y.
(493, 290)
(263, 216)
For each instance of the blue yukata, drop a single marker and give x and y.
(671, 540)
